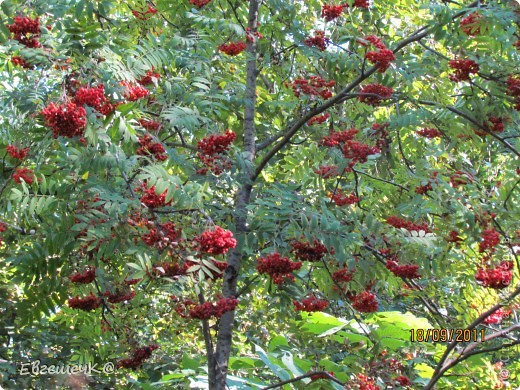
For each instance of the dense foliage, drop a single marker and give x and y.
(285, 193)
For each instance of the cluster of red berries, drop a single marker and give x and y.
(403, 381)
(277, 267)
(311, 304)
(3, 228)
(84, 277)
(131, 282)
(206, 310)
(374, 94)
(319, 40)
(327, 171)
(424, 189)
(151, 199)
(331, 12)
(314, 86)
(358, 152)
(14, 152)
(471, 24)
(212, 151)
(343, 275)
(88, 303)
(362, 382)
(454, 237)
(399, 223)
(513, 89)
(342, 199)
(144, 15)
(305, 251)
(374, 40)
(318, 119)
(381, 132)
(382, 57)
(335, 138)
(421, 190)
(365, 302)
(21, 62)
(170, 270)
(359, 4)
(24, 174)
(149, 78)
(26, 31)
(147, 148)
(403, 271)
(67, 120)
(498, 277)
(216, 242)
(139, 355)
(134, 92)
(161, 235)
(149, 124)
(119, 296)
(429, 132)
(497, 316)
(490, 239)
(513, 85)
(463, 68)
(94, 97)
(497, 124)
(216, 144)
(461, 178)
(252, 36)
(232, 48)
(199, 3)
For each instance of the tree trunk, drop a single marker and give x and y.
(218, 366)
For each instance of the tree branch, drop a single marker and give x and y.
(306, 375)
(472, 120)
(441, 367)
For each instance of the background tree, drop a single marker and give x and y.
(261, 193)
